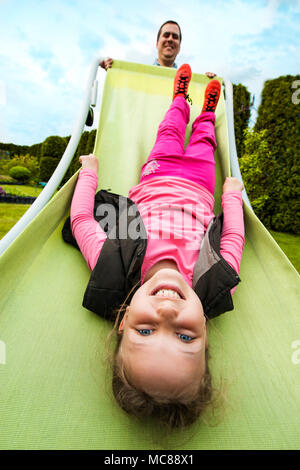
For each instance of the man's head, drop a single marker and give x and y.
(168, 43)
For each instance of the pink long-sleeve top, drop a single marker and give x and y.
(175, 212)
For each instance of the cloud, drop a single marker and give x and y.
(46, 49)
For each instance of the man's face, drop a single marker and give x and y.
(168, 44)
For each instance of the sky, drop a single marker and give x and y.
(47, 47)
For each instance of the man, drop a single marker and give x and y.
(168, 46)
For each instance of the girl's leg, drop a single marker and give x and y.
(171, 131)
(167, 153)
(170, 138)
(200, 151)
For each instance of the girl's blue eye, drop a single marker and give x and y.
(145, 332)
(184, 337)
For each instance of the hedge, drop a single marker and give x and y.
(279, 162)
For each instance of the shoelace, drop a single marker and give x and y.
(212, 99)
(182, 85)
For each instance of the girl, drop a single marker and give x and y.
(177, 269)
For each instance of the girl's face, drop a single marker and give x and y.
(164, 336)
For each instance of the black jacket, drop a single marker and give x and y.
(118, 268)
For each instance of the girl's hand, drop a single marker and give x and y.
(210, 74)
(89, 161)
(106, 63)
(232, 184)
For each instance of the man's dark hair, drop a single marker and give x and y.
(167, 22)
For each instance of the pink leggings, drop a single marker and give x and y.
(168, 157)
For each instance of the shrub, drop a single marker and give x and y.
(52, 150)
(241, 108)
(269, 187)
(20, 173)
(47, 167)
(6, 179)
(279, 116)
(256, 168)
(27, 161)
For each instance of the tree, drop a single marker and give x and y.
(91, 142)
(241, 109)
(257, 168)
(52, 150)
(36, 150)
(279, 116)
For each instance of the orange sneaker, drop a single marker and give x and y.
(211, 96)
(181, 82)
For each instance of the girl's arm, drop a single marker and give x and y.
(86, 230)
(233, 233)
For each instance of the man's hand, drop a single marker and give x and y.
(232, 184)
(210, 74)
(89, 161)
(106, 63)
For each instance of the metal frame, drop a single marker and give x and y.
(234, 162)
(53, 183)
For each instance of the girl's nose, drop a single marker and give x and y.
(167, 309)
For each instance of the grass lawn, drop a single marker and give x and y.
(11, 213)
(290, 244)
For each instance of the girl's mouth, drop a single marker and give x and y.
(168, 292)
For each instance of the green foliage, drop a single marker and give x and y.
(85, 146)
(256, 167)
(6, 179)
(52, 150)
(20, 173)
(241, 109)
(279, 116)
(28, 161)
(269, 187)
(47, 168)
(15, 149)
(53, 147)
(36, 157)
(42, 159)
(91, 142)
(36, 151)
(82, 146)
